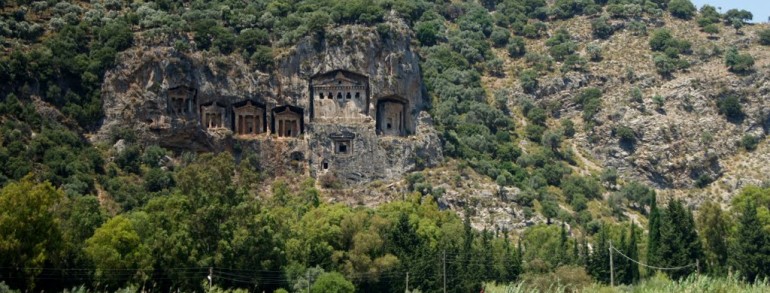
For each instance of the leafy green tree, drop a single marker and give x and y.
(714, 227)
(31, 236)
(752, 254)
(427, 32)
(250, 39)
(332, 282)
(683, 9)
(741, 15)
(117, 247)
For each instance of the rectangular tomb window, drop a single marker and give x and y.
(343, 147)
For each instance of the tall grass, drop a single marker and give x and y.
(655, 284)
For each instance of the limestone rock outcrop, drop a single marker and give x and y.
(348, 103)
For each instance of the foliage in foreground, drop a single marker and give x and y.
(658, 283)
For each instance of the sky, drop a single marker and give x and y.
(760, 8)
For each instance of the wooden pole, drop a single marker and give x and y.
(407, 282)
(612, 270)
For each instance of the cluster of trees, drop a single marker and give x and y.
(213, 219)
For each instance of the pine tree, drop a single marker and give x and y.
(751, 256)
(632, 269)
(653, 240)
(679, 242)
(599, 260)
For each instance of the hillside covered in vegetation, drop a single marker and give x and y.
(569, 129)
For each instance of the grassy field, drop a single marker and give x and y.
(658, 283)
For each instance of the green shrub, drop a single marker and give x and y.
(749, 142)
(601, 28)
(594, 52)
(764, 37)
(590, 99)
(730, 106)
(659, 101)
(568, 127)
(500, 37)
(703, 180)
(528, 80)
(636, 95)
(626, 135)
(534, 132)
(574, 63)
(739, 63)
(517, 47)
(638, 28)
(427, 32)
(711, 29)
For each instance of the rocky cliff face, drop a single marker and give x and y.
(681, 137)
(199, 102)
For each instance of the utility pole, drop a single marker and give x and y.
(612, 270)
(211, 277)
(444, 262)
(407, 282)
(697, 265)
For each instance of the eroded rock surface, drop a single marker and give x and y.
(349, 103)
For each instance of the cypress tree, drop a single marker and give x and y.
(679, 242)
(753, 246)
(632, 269)
(620, 262)
(563, 245)
(575, 252)
(653, 240)
(599, 261)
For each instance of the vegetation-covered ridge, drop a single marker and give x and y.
(123, 214)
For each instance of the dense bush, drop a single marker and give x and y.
(739, 63)
(517, 47)
(626, 135)
(590, 99)
(764, 37)
(528, 80)
(594, 52)
(601, 28)
(730, 106)
(683, 9)
(500, 37)
(749, 142)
